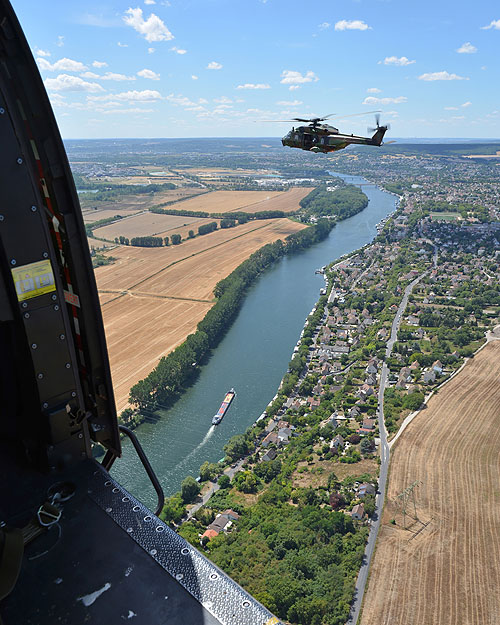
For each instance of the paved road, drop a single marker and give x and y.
(230, 472)
(384, 464)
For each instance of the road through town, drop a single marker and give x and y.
(384, 462)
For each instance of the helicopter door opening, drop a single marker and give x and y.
(308, 141)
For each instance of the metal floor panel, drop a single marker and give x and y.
(111, 560)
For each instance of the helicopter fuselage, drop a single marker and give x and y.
(325, 138)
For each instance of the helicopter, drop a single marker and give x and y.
(318, 137)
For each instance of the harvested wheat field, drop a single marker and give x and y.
(448, 573)
(90, 215)
(152, 298)
(226, 201)
(288, 202)
(139, 330)
(128, 204)
(245, 201)
(136, 264)
(147, 224)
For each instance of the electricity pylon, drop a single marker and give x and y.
(404, 499)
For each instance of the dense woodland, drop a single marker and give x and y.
(341, 203)
(105, 192)
(240, 216)
(300, 560)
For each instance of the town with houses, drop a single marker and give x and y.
(304, 485)
(331, 391)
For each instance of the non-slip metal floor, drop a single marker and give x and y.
(111, 560)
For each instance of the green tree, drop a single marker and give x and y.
(176, 239)
(236, 447)
(224, 481)
(191, 234)
(174, 509)
(189, 489)
(413, 401)
(166, 240)
(246, 481)
(209, 471)
(367, 446)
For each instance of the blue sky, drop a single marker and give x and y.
(208, 68)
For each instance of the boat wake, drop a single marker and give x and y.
(206, 438)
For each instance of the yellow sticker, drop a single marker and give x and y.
(33, 280)
(272, 621)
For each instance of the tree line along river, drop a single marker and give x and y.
(252, 358)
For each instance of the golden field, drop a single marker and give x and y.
(448, 571)
(152, 298)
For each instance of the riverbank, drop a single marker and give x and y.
(175, 371)
(253, 355)
(314, 455)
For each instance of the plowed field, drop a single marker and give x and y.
(448, 571)
(152, 298)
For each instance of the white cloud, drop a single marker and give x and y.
(373, 90)
(441, 76)
(466, 105)
(384, 101)
(194, 77)
(251, 85)
(214, 65)
(394, 60)
(65, 82)
(107, 76)
(99, 64)
(294, 87)
(148, 73)
(451, 108)
(151, 50)
(130, 110)
(129, 96)
(63, 65)
(186, 103)
(324, 26)
(60, 41)
(178, 50)
(223, 100)
(288, 103)
(495, 24)
(149, 2)
(352, 25)
(117, 77)
(152, 29)
(122, 45)
(42, 52)
(467, 48)
(290, 77)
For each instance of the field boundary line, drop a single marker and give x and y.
(180, 260)
(156, 295)
(207, 249)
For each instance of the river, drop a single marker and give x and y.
(252, 358)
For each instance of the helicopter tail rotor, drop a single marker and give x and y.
(378, 126)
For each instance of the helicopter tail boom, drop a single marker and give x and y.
(379, 135)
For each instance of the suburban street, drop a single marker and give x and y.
(384, 464)
(214, 487)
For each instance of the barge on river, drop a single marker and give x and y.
(230, 395)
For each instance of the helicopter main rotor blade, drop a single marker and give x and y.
(356, 114)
